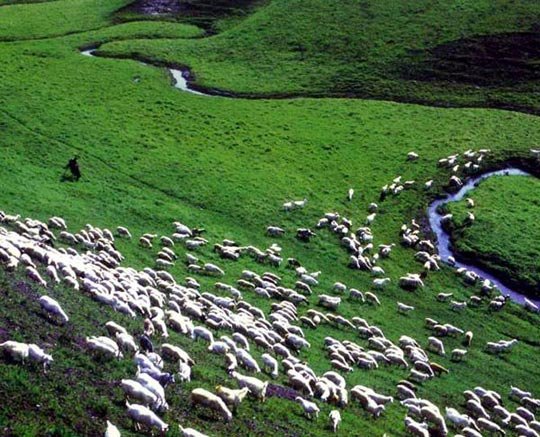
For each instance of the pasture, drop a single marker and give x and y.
(151, 155)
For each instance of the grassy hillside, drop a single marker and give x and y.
(503, 238)
(436, 52)
(151, 154)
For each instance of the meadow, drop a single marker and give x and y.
(151, 154)
(502, 239)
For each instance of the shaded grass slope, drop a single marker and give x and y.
(504, 236)
(433, 52)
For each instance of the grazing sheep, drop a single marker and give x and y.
(200, 396)
(270, 364)
(310, 408)
(15, 350)
(256, 387)
(112, 430)
(404, 309)
(123, 232)
(458, 354)
(231, 396)
(275, 231)
(190, 432)
(135, 390)
(38, 355)
(335, 419)
(418, 429)
(33, 274)
(143, 415)
(458, 306)
(372, 298)
(436, 345)
(52, 307)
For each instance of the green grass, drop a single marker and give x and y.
(504, 234)
(368, 49)
(151, 154)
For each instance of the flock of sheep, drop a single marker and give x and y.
(90, 264)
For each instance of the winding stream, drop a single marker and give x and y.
(179, 76)
(443, 239)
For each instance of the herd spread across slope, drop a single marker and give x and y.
(89, 263)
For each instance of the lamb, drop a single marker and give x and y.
(335, 419)
(143, 415)
(200, 396)
(184, 372)
(52, 307)
(350, 194)
(310, 408)
(256, 387)
(231, 396)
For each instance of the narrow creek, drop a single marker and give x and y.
(179, 76)
(443, 239)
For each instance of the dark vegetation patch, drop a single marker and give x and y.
(487, 60)
(203, 13)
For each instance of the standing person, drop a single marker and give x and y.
(73, 166)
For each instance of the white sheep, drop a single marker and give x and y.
(458, 354)
(270, 364)
(200, 396)
(112, 430)
(372, 298)
(256, 387)
(231, 396)
(335, 419)
(203, 333)
(53, 307)
(15, 350)
(123, 232)
(143, 415)
(190, 432)
(412, 156)
(403, 308)
(275, 231)
(436, 345)
(135, 390)
(34, 275)
(380, 283)
(310, 408)
(38, 355)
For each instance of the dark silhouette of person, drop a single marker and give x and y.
(73, 166)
